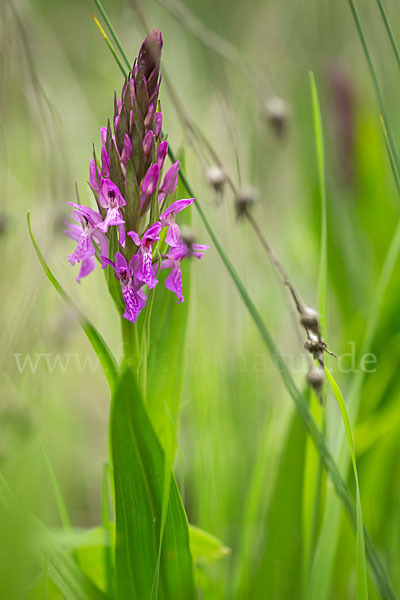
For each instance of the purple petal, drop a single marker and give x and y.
(103, 135)
(153, 232)
(150, 180)
(144, 271)
(126, 150)
(135, 237)
(176, 207)
(158, 119)
(120, 261)
(88, 265)
(174, 281)
(149, 117)
(162, 151)
(148, 142)
(102, 240)
(94, 175)
(173, 237)
(133, 303)
(110, 196)
(113, 217)
(105, 163)
(170, 182)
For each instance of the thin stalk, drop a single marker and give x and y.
(389, 31)
(111, 47)
(113, 33)
(375, 83)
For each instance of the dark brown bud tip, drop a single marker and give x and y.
(309, 318)
(244, 200)
(150, 55)
(277, 114)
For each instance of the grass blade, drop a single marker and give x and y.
(313, 474)
(139, 471)
(323, 264)
(362, 589)
(375, 84)
(103, 352)
(389, 31)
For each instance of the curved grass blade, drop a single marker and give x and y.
(313, 474)
(103, 352)
(362, 589)
(341, 488)
(139, 472)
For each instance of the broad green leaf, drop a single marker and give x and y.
(139, 472)
(205, 547)
(103, 352)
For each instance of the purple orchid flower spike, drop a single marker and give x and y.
(133, 296)
(144, 269)
(175, 256)
(111, 199)
(133, 154)
(170, 182)
(167, 219)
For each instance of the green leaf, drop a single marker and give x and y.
(103, 352)
(362, 589)
(205, 547)
(139, 472)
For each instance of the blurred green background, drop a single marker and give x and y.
(240, 463)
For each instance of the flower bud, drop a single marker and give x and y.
(216, 178)
(147, 142)
(244, 200)
(315, 378)
(277, 114)
(309, 318)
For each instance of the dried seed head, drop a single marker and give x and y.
(309, 318)
(216, 178)
(277, 113)
(244, 200)
(316, 377)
